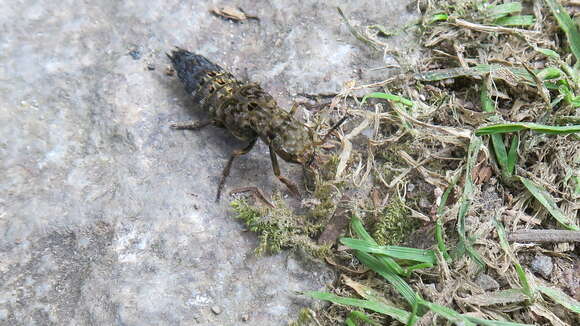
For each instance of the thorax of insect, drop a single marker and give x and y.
(247, 111)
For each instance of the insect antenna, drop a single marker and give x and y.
(336, 125)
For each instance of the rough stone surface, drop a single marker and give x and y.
(107, 217)
(543, 265)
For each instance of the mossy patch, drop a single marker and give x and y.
(278, 228)
(394, 224)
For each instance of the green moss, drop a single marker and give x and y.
(394, 224)
(304, 318)
(278, 228)
(325, 208)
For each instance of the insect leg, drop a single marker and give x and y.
(192, 125)
(293, 109)
(226, 171)
(291, 186)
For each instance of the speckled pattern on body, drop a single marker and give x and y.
(246, 110)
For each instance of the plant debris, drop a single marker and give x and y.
(458, 171)
(235, 14)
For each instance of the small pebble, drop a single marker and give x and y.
(135, 54)
(486, 282)
(543, 265)
(150, 67)
(424, 203)
(169, 71)
(216, 310)
(245, 317)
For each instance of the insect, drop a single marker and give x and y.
(248, 112)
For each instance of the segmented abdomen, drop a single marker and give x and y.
(206, 81)
(245, 109)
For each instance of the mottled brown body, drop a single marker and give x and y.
(246, 110)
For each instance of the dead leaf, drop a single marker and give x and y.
(337, 223)
(482, 175)
(232, 13)
(366, 291)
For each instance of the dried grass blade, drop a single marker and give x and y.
(439, 231)
(486, 322)
(527, 289)
(465, 201)
(497, 297)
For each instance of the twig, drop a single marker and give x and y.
(544, 236)
(493, 29)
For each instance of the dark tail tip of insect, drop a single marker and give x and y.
(175, 52)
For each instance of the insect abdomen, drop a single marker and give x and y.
(206, 81)
(191, 68)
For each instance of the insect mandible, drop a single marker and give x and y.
(248, 112)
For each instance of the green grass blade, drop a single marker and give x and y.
(562, 298)
(359, 315)
(521, 73)
(447, 313)
(519, 20)
(568, 26)
(498, 11)
(513, 155)
(518, 126)
(496, 139)
(550, 73)
(404, 253)
(396, 313)
(548, 53)
(360, 231)
(500, 153)
(569, 96)
(549, 203)
(410, 269)
(465, 201)
(400, 285)
(442, 74)
(486, 102)
(438, 17)
(389, 97)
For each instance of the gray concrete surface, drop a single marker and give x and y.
(106, 215)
